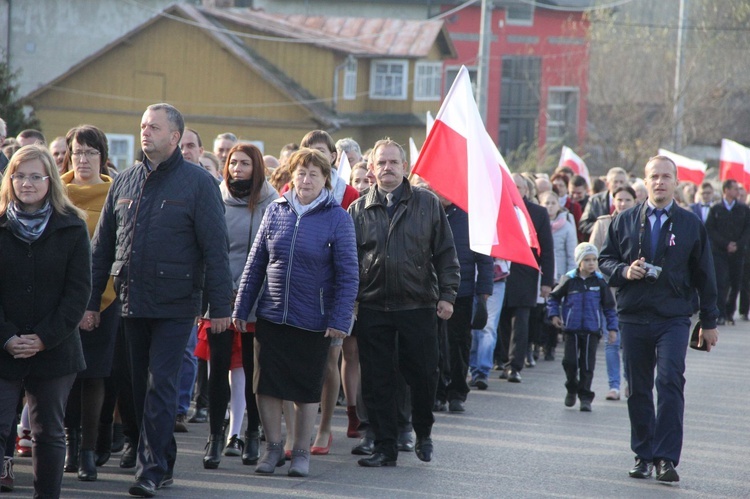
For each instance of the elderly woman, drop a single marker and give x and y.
(305, 252)
(246, 194)
(87, 185)
(45, 283)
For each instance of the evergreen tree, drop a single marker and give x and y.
(11, 109)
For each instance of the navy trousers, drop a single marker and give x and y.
(156, 348)
(656, 432)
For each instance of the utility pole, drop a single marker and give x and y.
(483, 58)
(679, 98)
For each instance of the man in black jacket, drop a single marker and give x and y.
(654, 310)
(163, 236)
(409, 276)
(728, 226)
(603, 202)
(522, 288)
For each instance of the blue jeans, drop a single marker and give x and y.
(187, 374)
(483, 341)
(612, 355)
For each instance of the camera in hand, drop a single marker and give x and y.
(652, 272)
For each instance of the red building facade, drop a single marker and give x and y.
(538, 72)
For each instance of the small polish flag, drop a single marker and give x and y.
(344, 169)
(460, 161)
(574, 162)
(413, 152)
(430, 121)
(690, 170)
(734, 162)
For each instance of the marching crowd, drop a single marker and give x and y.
(248, 291)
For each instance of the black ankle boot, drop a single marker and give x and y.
(103, 444)
(252, 448)
(118, 438)
(72, 441)
(214, 446)
(87, 466)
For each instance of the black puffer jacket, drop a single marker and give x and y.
(159, 234)
(44, 288)
(410, 262)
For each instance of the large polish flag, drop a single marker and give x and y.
(734, 162)
(574, 162)
(690, 170)
(460, 162)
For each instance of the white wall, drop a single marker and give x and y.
(50, 36)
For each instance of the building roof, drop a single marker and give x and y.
(359, 36)
(356, 36)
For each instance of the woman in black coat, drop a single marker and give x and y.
(45, 283)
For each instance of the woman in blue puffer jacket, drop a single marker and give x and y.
(305, 260)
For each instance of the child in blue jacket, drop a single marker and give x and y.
(580, 305)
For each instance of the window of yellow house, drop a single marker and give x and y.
(427, 80)
(388, 79)
(350, 80)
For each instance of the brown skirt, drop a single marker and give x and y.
(289, 362)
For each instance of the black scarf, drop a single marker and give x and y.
(239, 188)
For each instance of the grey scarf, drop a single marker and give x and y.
(28, 226)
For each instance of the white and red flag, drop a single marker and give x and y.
(734, 162)
(690, 170)
(460, 162)
(344, 169)
(413, 153)
(574, 162)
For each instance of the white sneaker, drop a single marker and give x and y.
(613, 394)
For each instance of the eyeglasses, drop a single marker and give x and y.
(93, 153)
(34, 179)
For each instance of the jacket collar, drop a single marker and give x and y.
(171, 162)
(373, 198)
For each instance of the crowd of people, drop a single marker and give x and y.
(251, 291)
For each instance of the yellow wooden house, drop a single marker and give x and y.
(264, 77)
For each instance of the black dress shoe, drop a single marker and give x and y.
(439, 406)
(377, 460)
(665, 471)
(143, 487)
(200, 416)
(642, 468)
(365, 447)
(405, 442)
(129, 454)
(456, 405)
(514, 377)
(424, 449)
(721, 322)
(166, 480)
(503, 374)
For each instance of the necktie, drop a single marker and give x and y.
(389, 199)
(655, 231)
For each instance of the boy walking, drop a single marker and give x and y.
(579, 305)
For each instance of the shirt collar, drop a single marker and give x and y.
(651, 208)
(728, 205)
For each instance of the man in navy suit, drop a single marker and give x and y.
(707, 198)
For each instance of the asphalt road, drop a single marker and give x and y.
(514, 440)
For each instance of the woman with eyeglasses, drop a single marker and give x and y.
(87, 185)
(45, 283)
